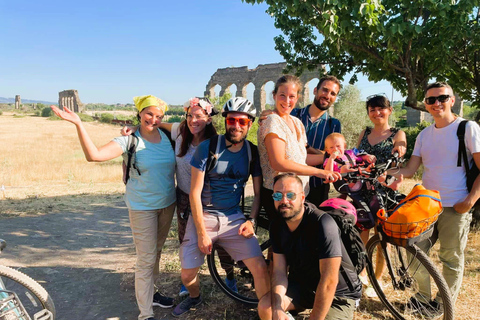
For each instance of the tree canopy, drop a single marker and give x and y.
(407, 43)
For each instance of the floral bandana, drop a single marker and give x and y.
(142, 102)
(202, 103)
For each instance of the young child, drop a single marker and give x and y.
(342, 160)
(339, 159)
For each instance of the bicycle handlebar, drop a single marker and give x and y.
(372, 173)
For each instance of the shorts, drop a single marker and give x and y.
(223, 230)
(304, 298)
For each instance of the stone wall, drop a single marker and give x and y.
(71, 100)
(263, 73)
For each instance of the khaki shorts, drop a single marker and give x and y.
(223, 230)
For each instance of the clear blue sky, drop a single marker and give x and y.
(111, 51)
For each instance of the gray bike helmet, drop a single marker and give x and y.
(239, 104)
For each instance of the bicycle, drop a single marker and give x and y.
(21, 297)
(396, 283)
(222, 266)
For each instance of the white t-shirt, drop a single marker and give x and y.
(438, 149)
(184, 169)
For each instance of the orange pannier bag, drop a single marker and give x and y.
(413, 215)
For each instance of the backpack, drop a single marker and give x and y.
(413, 215)
(214, 153)
(351, 241)
(472, 172)
(129, 162)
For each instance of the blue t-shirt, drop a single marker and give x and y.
(317, 132)
(224, 184)
(154, 188)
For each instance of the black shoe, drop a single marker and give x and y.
(151, 318)
(162, 301)
(186, 305)
(431, 310)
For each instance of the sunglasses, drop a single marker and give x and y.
(441, 98)
(241, 121)
(377, 95)
(278, 196)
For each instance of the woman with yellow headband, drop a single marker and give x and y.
(187, 135)
(150, 192)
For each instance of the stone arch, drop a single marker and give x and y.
(71, 100)
(259, 76)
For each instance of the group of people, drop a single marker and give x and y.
(291, 175)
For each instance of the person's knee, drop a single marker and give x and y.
(146, 261)
(188, 275)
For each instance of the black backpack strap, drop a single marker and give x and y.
(462, 150)
(132, 144)
(169, 136)
(213, 150)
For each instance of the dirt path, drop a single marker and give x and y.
(82, 259)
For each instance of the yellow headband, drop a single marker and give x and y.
(142, 102)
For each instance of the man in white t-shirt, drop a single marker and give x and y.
(436, 147)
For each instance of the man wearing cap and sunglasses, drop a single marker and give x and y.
(215, 196)
(436, 147)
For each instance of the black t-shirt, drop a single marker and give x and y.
(317, 237)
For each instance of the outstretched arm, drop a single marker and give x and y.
(276, 155)
(92, 153)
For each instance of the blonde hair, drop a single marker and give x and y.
(333, 136)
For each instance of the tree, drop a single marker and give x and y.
(351, 112)
(404, 42)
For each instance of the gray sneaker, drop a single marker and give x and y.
(186, 305)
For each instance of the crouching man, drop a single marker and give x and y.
(307, 243)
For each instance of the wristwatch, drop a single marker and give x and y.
(253, 221)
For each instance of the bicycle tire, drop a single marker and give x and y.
(32, 295)
(218, 263)
(398, 289)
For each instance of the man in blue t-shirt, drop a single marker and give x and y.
(215, 196)
(307, 255)
(318, 125)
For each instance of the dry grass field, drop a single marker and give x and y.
(41, 160)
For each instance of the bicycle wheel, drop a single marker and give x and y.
(223, 267)
(32, 295)
(398, 285)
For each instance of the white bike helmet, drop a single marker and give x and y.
(239, 104)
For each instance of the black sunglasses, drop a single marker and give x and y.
(441, 98)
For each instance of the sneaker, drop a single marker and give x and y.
(183, 291)
(186, 305)
(430, 310)
(370, 292)
(289, 315)
(162, 301)
(363, 279)
(232, 284)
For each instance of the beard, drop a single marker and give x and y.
(288, 212)
(229, 136)
(316, 102)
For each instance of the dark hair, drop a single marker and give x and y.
(378, 101)
(288, 78)
(329, 78)
(287, 175)
(187, 136)
(438, 84)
